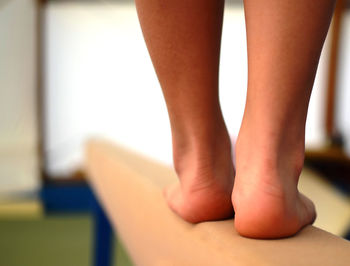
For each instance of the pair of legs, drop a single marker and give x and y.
(284, 40)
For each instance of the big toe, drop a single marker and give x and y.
(173, 197)
(310, 210)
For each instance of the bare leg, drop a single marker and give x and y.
(183, 38)
(285, 38)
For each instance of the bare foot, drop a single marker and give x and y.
(265, 196)
(206, 181)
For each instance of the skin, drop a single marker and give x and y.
(284, 41)
(183, 38)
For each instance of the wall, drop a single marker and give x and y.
(18, 135)
(100, 81)
(343, 85)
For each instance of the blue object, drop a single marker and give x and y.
(78, 197)
(103, 238)
(73, 197)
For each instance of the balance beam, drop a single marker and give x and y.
(129, 187)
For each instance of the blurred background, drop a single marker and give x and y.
(72, 70)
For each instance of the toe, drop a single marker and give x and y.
(173, 197)
(309, 210)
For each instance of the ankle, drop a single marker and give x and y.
(207, 159)
(282, 158)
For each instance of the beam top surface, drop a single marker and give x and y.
(129, 186)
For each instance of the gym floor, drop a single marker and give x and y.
(55, 240)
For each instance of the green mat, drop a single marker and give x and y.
(50, 241)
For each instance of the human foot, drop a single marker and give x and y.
(206, 177)
(262, 211)
(265, 196)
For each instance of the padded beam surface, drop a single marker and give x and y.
(129, 187)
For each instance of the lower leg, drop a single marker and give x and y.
(183, 39)
(284, 39)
